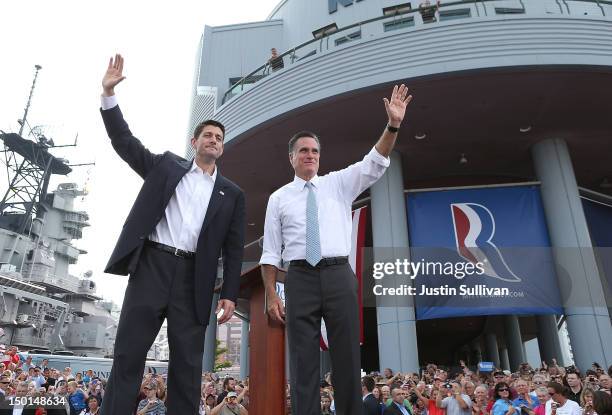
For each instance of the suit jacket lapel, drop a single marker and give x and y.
(216, 200)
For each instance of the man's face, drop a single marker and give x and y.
(231, 385)
(604, 381)
(521, 386)
(498, 377)
(22, 390)
(553, 395)
(209, 144)
(573, 380)
(387, 373)
(232, 401)
(386, 392)
(4, 383)
(305, 158)
(398, 396)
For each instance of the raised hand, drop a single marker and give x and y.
(113, 75)
(396, 106)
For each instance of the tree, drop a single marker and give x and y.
(220, 362)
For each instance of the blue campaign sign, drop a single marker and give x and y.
(599, 218)
(481, 252)
(486, 366)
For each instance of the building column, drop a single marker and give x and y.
(548, 339)
(514, 342)
(397, 342)
(476, 351)
(210, 339)
(505, 361)
(244, 350)
(492, 349)
(583, 300)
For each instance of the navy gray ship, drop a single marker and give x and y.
(43, 306)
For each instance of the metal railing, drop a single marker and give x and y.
(418, 16)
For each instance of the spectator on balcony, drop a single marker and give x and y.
(428, 11)
(275, 61)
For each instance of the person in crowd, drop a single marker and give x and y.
(605, 383)
(93, 406)
(371, 405)
(500, 376)
(208, 403)
(76, 398)
(574, 383)
(602, 403)
(524, 397)
(326, 404)
(229, 383)
(586, 402)
(455, 402)
(479, 406)
(397, 407)
(502, 402)
(559, 404)
(229, 406)
(151, 405)
(543, 397)
(469, 388)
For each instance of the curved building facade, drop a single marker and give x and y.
(506, 92)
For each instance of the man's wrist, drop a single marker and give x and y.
(394, 124)
(108, 92)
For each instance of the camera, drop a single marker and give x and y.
(448, 386)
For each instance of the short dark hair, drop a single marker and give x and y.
(302, 134)
(602, 402)
(226, 381)
(559, 388)
(368, 382)
(200, 127)
(92, 398)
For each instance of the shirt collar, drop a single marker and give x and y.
(301, 183)
(196, 168)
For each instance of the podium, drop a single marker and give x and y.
(267, 380)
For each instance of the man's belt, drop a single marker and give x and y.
(170, 249)
(325, 262)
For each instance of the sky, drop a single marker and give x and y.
(72, 41)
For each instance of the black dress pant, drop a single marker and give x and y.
(329, 292)
(161, 287)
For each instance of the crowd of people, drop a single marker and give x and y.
(548, 390)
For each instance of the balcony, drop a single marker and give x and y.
(411, 43)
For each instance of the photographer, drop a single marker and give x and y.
(229, 406)
(151, 405)
(455, 402)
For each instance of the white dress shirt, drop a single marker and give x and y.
(286, 213)
(184, 216)
(569, 408)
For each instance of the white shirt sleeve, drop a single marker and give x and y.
(273, 239)
(357, 177)
(109, 102)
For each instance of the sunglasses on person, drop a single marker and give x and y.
(5, 383)
(502, 390)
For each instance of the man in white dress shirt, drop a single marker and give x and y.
(308, 225)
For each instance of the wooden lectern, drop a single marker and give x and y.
(267, 349)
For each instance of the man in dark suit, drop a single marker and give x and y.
(397, 406)
(371, 406)
(184, 217)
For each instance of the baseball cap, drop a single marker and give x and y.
(507, 372)
(232, 395)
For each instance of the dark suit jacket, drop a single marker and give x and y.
(371, 406)
(393, 410)
(222, 230)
